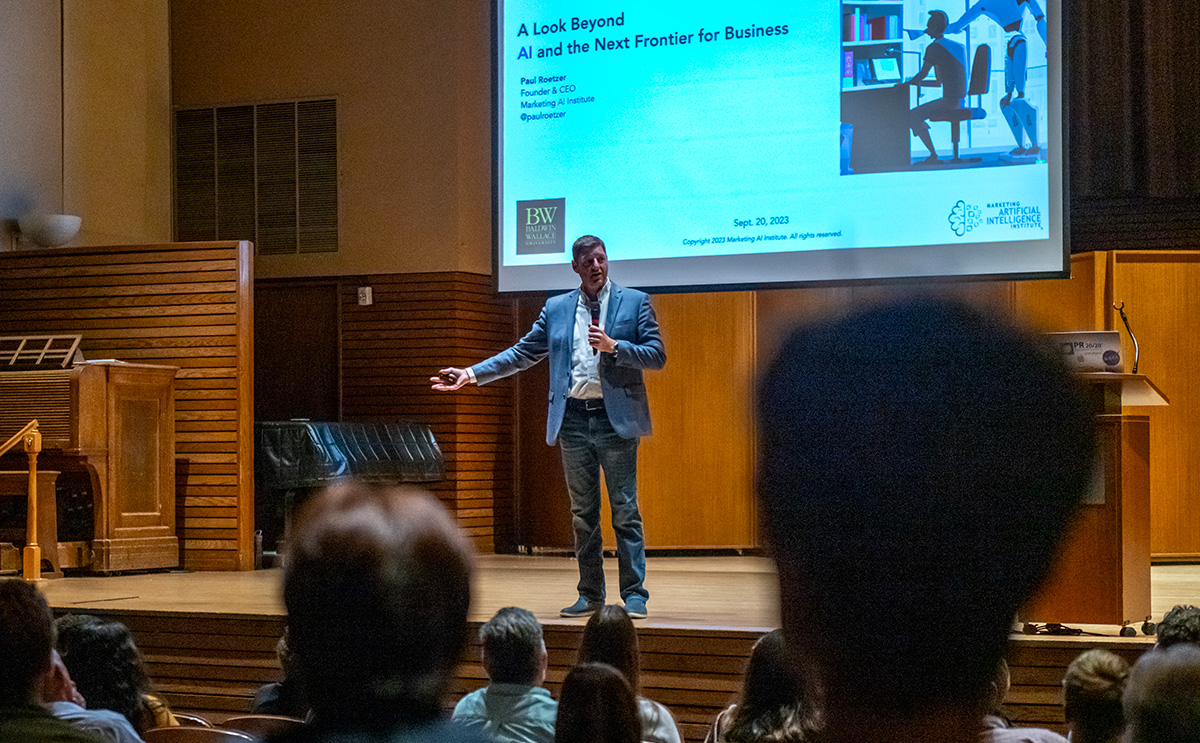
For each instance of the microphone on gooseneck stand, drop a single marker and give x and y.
(594, 306)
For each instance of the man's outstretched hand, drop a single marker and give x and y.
(450, 379)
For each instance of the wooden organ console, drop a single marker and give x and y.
(115, 421)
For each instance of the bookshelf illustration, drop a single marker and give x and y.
(871, 42)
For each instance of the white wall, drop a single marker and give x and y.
(30, 110)
(118, 119)
(85, 116)
(413, 83)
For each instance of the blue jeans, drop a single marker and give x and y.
(588, 444)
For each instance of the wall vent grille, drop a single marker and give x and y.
(264, 172)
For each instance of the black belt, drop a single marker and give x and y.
(592, 405)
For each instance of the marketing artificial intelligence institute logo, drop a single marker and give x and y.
(964, 217)
(1013, 215)
(540, 226)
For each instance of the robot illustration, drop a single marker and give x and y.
(1008, 14)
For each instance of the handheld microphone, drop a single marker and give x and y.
(594, 306)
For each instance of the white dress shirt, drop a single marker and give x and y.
(585, 365)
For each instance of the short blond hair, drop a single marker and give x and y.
(1092, 690)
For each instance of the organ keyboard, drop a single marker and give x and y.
(115, 422)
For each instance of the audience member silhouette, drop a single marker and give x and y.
(1181, 624)
(285, 697)
(996, 726)
(26, 643)
(1162, 698)
(609, 637)
(107, 668)
(514, 707)
(918, 465)
(62, 698)
(597, 705)
(776, 703)
(1092, 690)
(377, 587)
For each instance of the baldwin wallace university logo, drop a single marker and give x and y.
(540, 226)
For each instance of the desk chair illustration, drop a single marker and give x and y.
(977, 86)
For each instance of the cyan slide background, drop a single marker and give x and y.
(682, 140)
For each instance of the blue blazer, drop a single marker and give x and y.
(630, 322)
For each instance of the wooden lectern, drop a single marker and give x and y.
(1102, 572)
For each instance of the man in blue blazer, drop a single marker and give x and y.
(599, 338)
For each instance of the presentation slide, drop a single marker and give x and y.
(716, 144)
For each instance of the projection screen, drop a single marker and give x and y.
(717, 144)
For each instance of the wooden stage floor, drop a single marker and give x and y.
(209, 638)
(686, 592)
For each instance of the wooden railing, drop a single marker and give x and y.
(32, 556)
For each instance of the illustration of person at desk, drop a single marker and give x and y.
(948, 60)
(1008, 14)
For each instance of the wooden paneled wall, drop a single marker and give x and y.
(698, 467)
(1160, 291)
(717, 344)
(696, 471)
(183, 304)
(420, 323)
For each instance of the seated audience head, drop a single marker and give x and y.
(513, 649)
(106, 666)
(377, 586)
(1001, 683)
(1092, 690)
(777, 703)
(1181, 624)
(285, 697)
(1162, 698)
(597, 705)
(285, 656)
(26, 641)
(919, 463)
(610, 638)
(57, 685)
